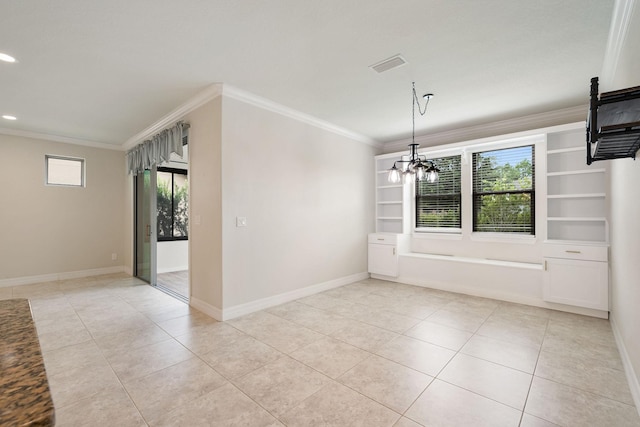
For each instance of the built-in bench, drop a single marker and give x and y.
(25, 399)
(484, 261)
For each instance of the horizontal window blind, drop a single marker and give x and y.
(503, 190)
(438, 204)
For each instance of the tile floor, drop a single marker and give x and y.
(373, 353)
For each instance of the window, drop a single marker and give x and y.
(503, 190)
(65, 171)
(438, 205)
(172, 203)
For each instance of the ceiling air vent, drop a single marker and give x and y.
(388, 64)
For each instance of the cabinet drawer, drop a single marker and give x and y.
(383, 238)
(579, 252)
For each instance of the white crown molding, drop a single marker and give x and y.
(620, 22)
(268, 105)
(200, 99)
(57, 138)
(501, 128)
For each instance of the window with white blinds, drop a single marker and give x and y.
(438, 204)
(503, 190)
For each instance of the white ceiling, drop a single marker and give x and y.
(104, 71)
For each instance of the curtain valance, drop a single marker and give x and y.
(157, 149)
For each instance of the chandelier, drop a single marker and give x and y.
(417, 167)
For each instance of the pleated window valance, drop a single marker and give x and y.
(157, 149)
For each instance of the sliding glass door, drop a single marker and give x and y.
(145, 195)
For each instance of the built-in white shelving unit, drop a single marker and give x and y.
(576, 193)
(390, 198)
(576, 250)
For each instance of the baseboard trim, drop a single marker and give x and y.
(206, 308)
(632, 377)
(261, 304)
(502, 296)
(52, 277)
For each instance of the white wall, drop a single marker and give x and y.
(308, 196)
(205, 206)
(49, 230)
(172, 256)
(625, 223)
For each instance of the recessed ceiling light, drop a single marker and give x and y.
(7, 58)
(8, 117)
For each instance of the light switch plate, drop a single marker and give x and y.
(241, 221)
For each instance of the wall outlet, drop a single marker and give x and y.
(114, 256)
(241, 221)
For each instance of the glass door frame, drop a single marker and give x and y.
(145, 225)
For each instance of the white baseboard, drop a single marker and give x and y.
(261, 304)
(206, 308)
(52, 277)
(632, 377)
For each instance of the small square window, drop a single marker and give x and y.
(67, 171)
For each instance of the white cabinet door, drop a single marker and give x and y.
(576, 282)
(383, 260)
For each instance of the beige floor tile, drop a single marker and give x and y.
(330, 356)
(337, 406)
(510, 308)
(523, 330)
(584, 346)
(281, 385)
(75, 356)
(445, 405)
(470, 304)
(63, 338)
(585, 373)
(275, 331)
(112, 322)
(184, 324)
(406, 422)
(324, 302)
(505, 353)
(51, 308)
(386, 382)
(225, 406)
(69, 386)
(488, 379)
(162, 391)
(37, 290)
(531, 421)
(142, 361)
(348, 293)
(416, 354)
(164, 313)
(443, 336)
(366, 337)
(203, 339)
(79, 321)
(131, 339)
(464, 320)
(402, 305)
(386, 319)
(68, 322)
(108, 408)
(240, 356)
(568, 406)
(310, 317)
